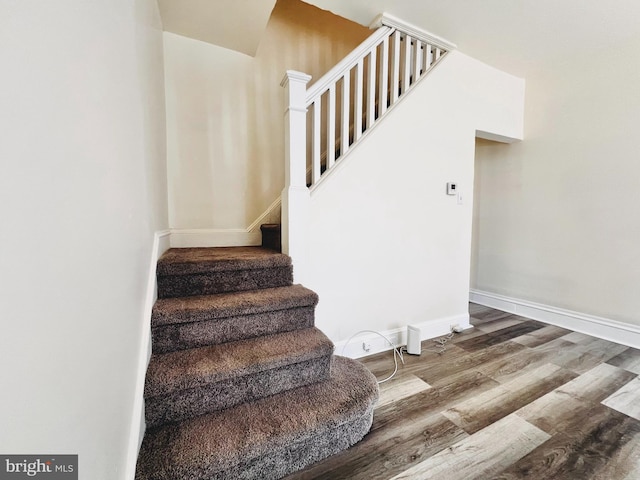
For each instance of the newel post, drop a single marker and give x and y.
(295, 196)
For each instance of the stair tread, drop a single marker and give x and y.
(184, 261)
(185, 369)
(202, 446)
(222, 305)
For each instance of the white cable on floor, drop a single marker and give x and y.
(440, 344)
(396, 350)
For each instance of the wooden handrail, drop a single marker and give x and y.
(347, 63)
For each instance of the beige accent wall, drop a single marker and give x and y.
(225, 114)
(557, 218)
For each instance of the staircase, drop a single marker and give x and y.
(241, 385)
(326, 121)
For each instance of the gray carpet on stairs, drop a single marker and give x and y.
(182, 261)
(192, 382)
(199, 308)
(240, 384)
(190, 322)
(203, 271)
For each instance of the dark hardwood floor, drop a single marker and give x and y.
(511, 398)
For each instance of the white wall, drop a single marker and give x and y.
(223, 23)
(82, 189)
(558, 217)
(225, 110)
(389, 247)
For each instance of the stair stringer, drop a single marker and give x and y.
(414, 268)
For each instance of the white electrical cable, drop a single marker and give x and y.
(440, 342)
(396, 350)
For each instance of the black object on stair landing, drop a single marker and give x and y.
(241, 385)
(271, 236)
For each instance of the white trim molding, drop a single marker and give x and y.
(137, 428)
(387, 20)
(211, 237)
(352, 348)
(270, 215)
(495, 137)
(607, 329)
(226, 237)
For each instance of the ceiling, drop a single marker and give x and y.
(234, 24)
(517, 36)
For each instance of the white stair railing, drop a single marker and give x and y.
(342, 107)
(347, 101)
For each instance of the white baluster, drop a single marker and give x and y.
(417, 59)
(296, 200)
(331, 126)
(358, 94)
(395, 73)
(429, 55)
(406, 76)
(437, 54)
(384, 77)
(346, 104)
(371, 89)
(315, 141)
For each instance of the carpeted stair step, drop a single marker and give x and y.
(204, 271)
(187, 383)
(268, 438)
(189, 322)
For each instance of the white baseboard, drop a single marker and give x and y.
(352, 348)
(607, 329)
(183, 238)
(226, 237)
(137, 427)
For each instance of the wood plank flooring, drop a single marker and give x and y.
(511, 398)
